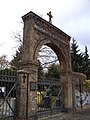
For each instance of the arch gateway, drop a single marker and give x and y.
(36, 33)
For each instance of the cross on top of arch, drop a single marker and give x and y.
(50, 16)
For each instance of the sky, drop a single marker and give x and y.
(71, 16)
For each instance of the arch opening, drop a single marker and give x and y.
(50, 93)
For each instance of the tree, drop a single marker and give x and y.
(47, 56)
(76, 57)
(15, 62)
(40, 70)
(86, 63)
(17, 57)
(4, 63)
(80, 61)
(53, 71)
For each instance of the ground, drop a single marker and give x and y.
(79, 115)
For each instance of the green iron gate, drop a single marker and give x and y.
(7, 94)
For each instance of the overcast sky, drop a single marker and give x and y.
(71, 16)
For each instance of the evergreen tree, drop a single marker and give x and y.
(15, 62)
(53, 71)
(76, 57)
(86, 63)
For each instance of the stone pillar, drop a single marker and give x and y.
(73, 98)
(67, 88)
(27, 92)
(22, 94)
(70, 99)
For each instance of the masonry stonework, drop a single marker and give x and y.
(36, 33)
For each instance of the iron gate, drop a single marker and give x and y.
(7, 94)
(49, 97)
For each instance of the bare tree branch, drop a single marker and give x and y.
(47, 56)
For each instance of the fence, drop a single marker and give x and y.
(7, 94)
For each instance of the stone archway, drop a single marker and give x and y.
(36, 33)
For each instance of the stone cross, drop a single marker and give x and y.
(50, 16)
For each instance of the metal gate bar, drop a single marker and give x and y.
(49, 92)
(7, 94)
